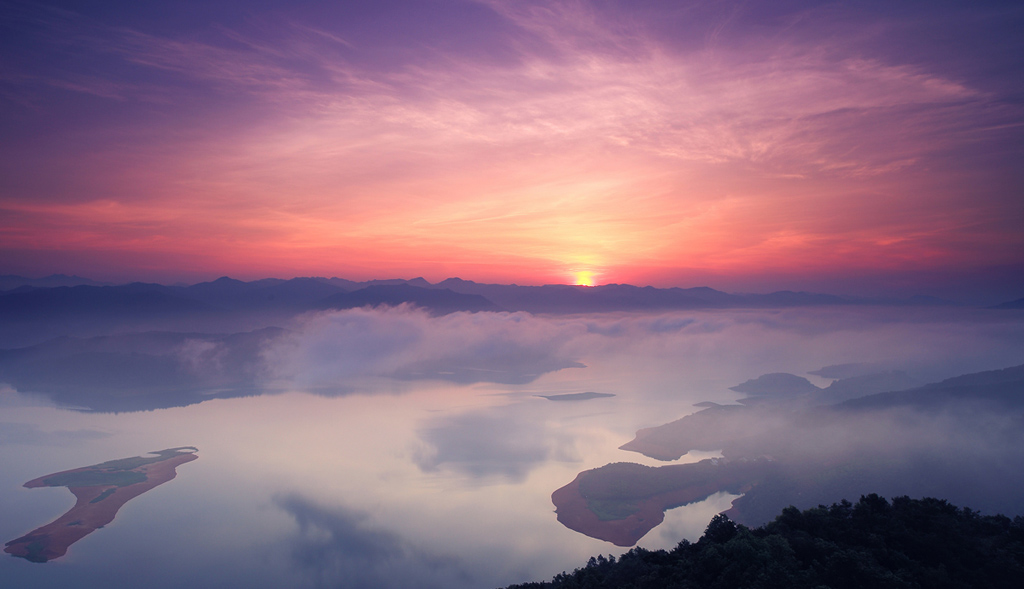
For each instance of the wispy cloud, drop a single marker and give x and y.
(597, 140)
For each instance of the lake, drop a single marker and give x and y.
(392, 448)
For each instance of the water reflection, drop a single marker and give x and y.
(31, 434)
(505, 441)
(421, 470)
(341, 547)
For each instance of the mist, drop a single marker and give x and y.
(387, 427)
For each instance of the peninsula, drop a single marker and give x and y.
(621, 502)
(101, 490)
(805, 446)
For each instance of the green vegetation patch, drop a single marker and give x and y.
(34, 551)
(628, 481)
(138, 461)
(612, 509)
(95, 478)
(129, 463)
(103, 495)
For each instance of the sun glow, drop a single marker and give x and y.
(584, 279)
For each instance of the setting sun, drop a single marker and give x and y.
(584, 279)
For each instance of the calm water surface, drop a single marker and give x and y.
(406, 483)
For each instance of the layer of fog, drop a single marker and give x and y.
(727, 347)
(374, 350)
(692, 356)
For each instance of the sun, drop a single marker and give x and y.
(584, 278)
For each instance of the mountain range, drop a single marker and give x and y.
(71, 294)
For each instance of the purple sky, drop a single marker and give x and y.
(861, 147)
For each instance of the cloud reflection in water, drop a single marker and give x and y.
(341, 547)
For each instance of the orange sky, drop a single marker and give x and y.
(549, 140)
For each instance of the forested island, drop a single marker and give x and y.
(873, 543)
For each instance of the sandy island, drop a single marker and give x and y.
(96, 504)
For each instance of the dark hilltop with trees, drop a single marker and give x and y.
(906, 543)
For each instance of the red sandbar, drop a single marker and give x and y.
(52, 540)
(574, 513)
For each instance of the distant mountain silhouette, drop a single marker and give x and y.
(136, 298)
(1018, 304)
(341, 283)
(297, 294)
(563, 298)
(62, 296)
(868, 384)
(10, 281)
(32, 312)
(1003, 388)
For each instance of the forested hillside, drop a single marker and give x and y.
(873, 543)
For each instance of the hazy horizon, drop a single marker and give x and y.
(951, 293)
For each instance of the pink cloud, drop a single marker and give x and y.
(599, 148)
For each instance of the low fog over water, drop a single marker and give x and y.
(398, 447)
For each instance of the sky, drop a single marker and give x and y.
(849, 147)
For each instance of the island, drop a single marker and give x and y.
(100, 490)
(576, 396)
